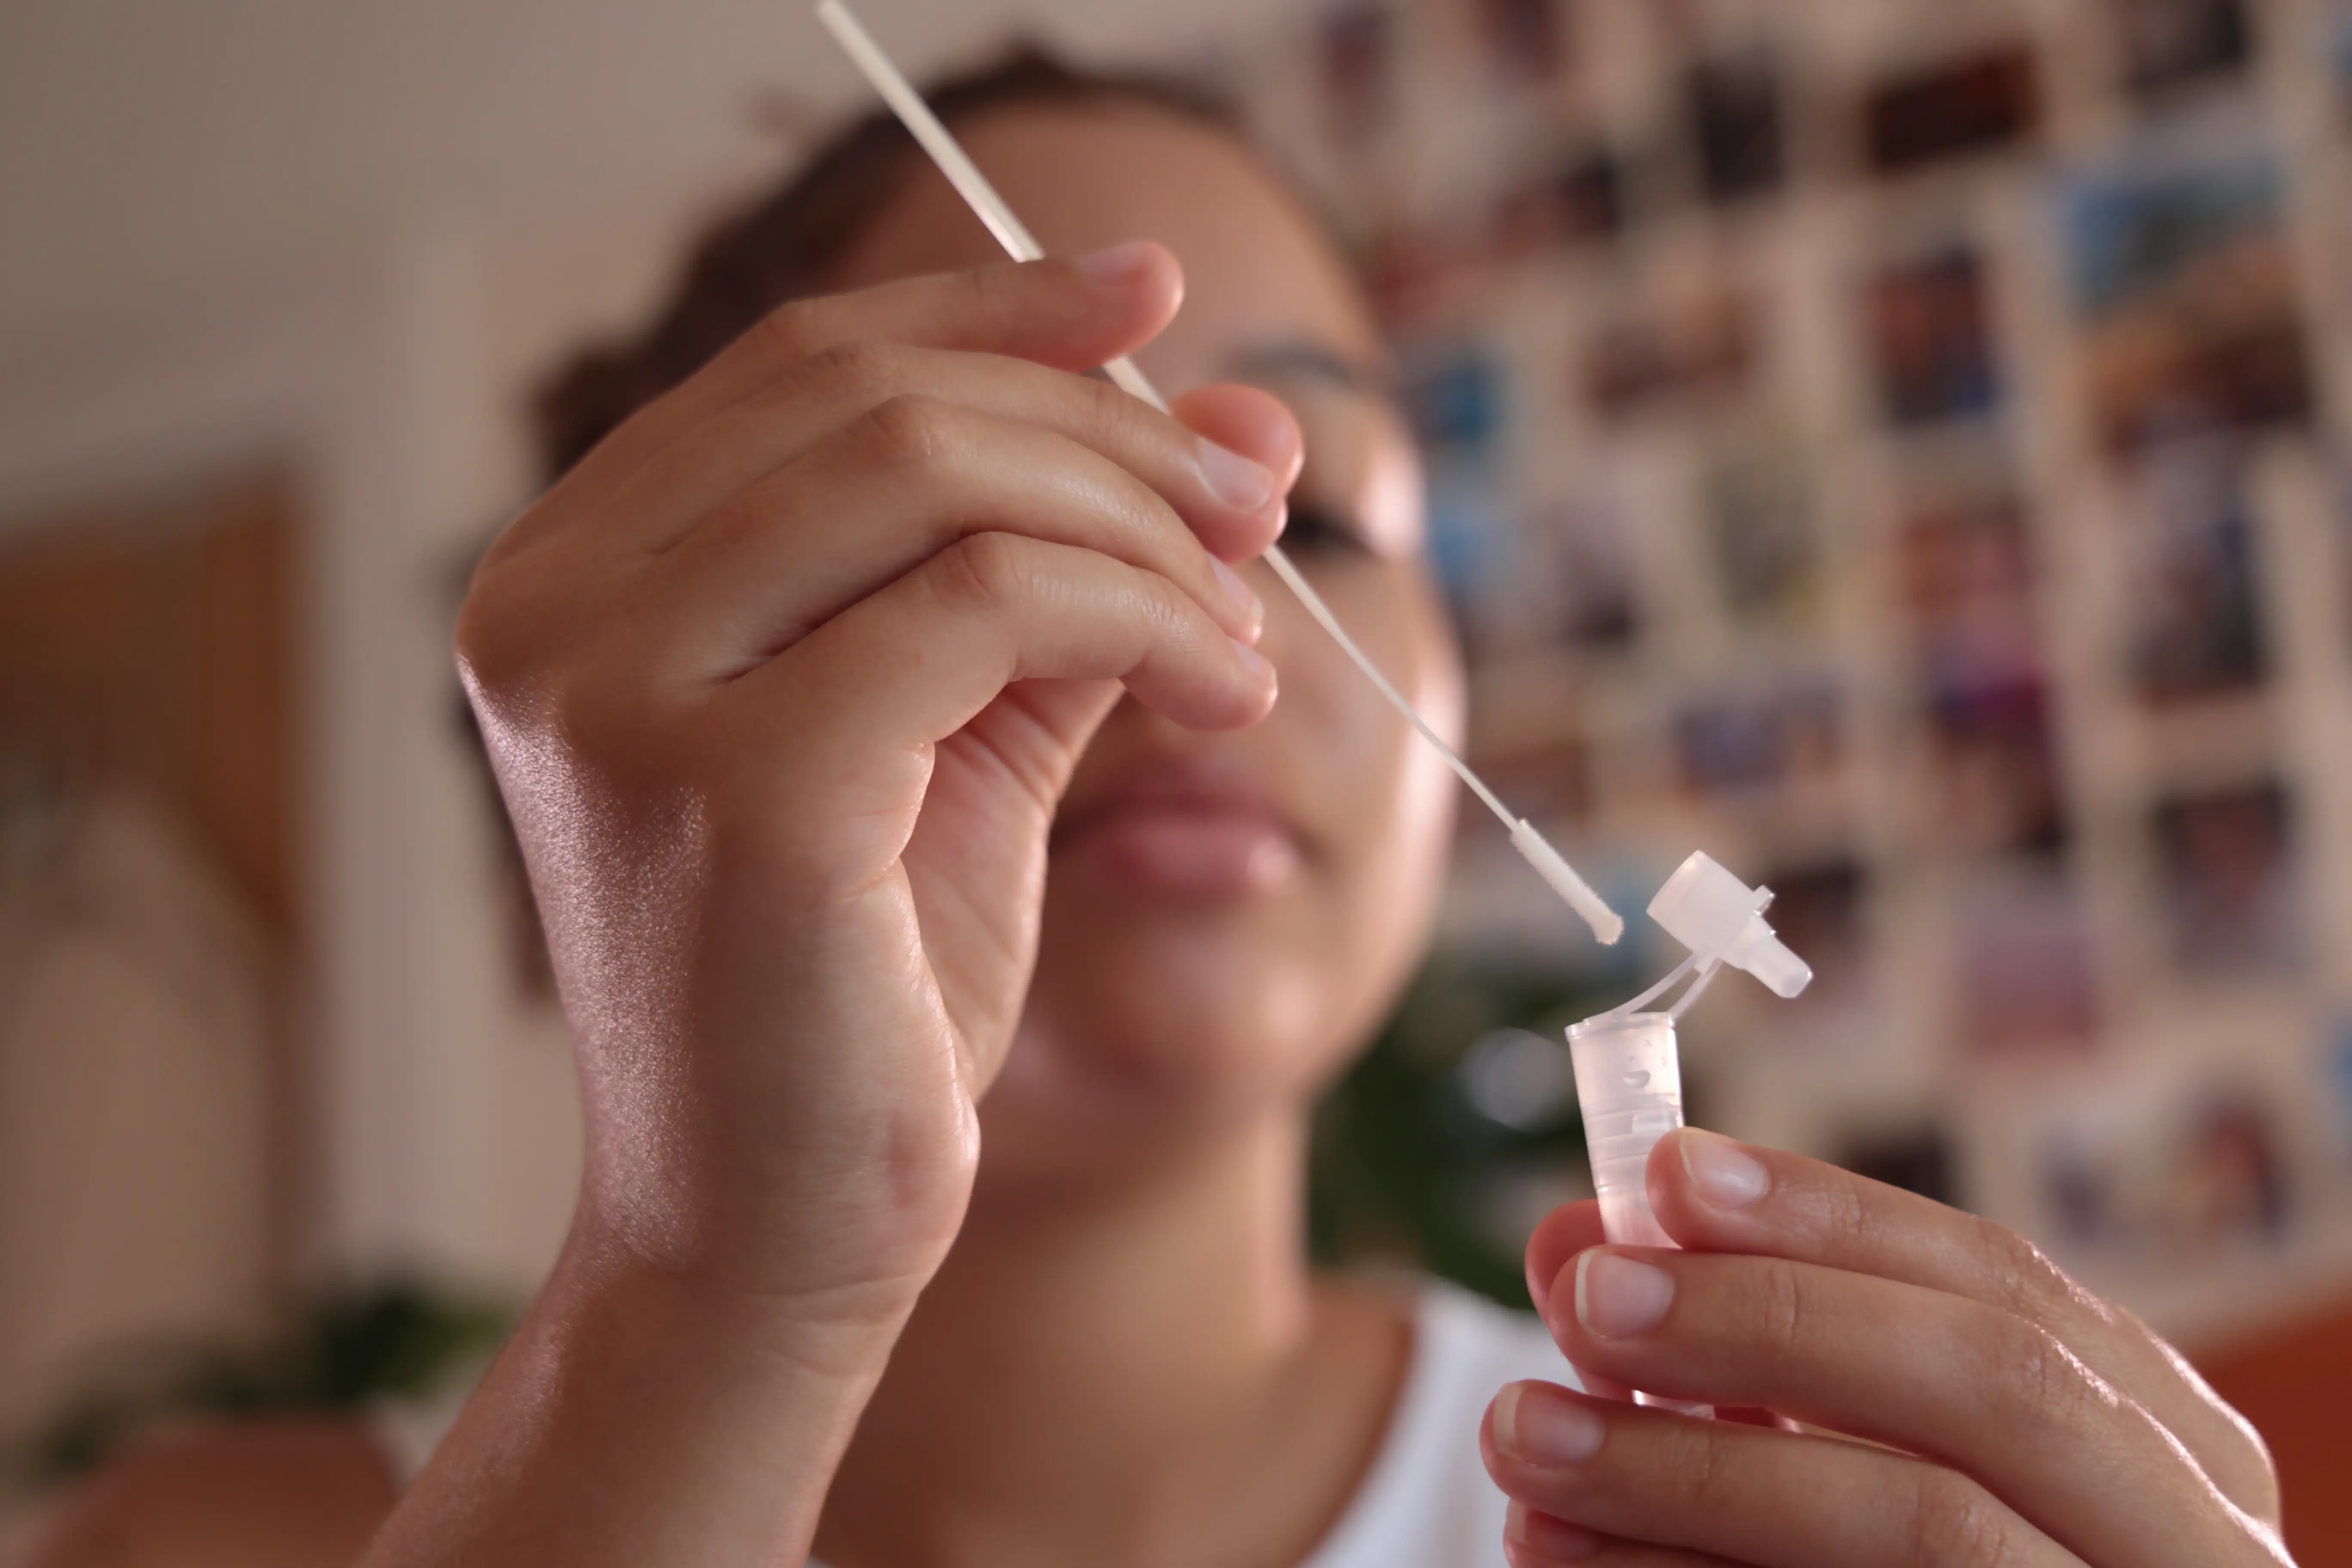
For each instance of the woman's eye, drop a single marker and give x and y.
(1312, 530)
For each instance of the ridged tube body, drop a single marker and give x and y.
(1629, 1086)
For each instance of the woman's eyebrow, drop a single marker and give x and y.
(1316, 361)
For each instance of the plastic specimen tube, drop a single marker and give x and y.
(1628, 1085)
(992, 210)
(1629, 1073)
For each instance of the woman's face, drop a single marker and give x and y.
(1227, 916)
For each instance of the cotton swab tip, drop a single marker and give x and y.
(1607, 924)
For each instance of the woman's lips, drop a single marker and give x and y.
(1189, 848)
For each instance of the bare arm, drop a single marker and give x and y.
(639, 1416)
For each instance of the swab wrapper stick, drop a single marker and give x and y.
(1022, 246)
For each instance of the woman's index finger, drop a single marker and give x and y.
(1070, 314)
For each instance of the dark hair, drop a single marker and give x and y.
(785, 245)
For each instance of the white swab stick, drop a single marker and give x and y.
(1022, 246)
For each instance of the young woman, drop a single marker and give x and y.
(957, 931)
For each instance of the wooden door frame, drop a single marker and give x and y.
(364, 377)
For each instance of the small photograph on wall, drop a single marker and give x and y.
(1988, 773)
(2165, 43)
(2160, 1170)
(2193, 615)
(1671, 351)
(2184, 284)
(2339, 56)
(1590, 536)
(1757, 507)
(2225, 866)
(1965, 577)
(1525, 40)
(1917, 1158)
(1985, 774)
(1737, 125)
(1982, 101)
(2335, 1068)
(1592, 193)
(1456, 395)
(1581, 199)
(1563, 579)
(1478, 549)
(2341, 516)
(1819, 908)
(2025, 980)
(1357, 54)
(1930, 331)
(1746, 745)
(1544, 779)
(1413, 271)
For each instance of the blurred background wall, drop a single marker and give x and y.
(1903, 454)
(1898, 449)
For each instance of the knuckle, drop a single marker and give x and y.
(914, 430)
(855, 369)
(1781, 1306)
(1139, 440)
(583, 714)
(2020, 1274)
(2243, 1463)
(2261, 1467)
(1846, 1218)
(991, 292)
(1127, 420)
(2260, 1462)
(1174, 616)
(1709, 1483)
(2257, 1449)
(481, 644)
(499, 644)
(981, 572)
(787, 335)
(2034, 1377)
(1952, 1521)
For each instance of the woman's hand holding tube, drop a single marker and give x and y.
(782, 686)
(2004, 1415)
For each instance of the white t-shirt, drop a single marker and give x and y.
(1426, 1498)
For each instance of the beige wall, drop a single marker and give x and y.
(348, 236)
(148, 148)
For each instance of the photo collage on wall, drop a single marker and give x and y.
(1848, 442)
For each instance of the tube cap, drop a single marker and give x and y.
(1718, 916)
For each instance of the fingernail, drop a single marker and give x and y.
(1725, 1174)
(1616, 1296)
(1546, 1537)
(1233, 478)
(1537, 1425)
(1254, 659)
(1114, 264)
